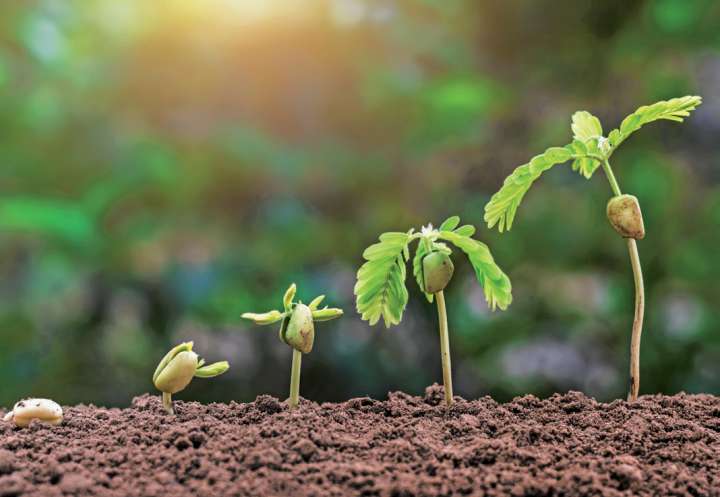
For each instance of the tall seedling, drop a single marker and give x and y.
(380, 287)
(588, 151)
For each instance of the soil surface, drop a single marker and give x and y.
(567, 445)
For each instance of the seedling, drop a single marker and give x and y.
(177, 369)
(381, 290)
(588, 151)
(297, 329)
(44, 410)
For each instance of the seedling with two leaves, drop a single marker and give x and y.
(297, 329)
(381, 290)
(588, 151)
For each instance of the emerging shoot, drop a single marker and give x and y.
(177, 369)
(297, 329)
(588, 151)
(380, 287)
(44, 410)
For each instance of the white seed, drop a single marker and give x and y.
(44, 410)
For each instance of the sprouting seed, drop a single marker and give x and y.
(589, 151)
(380, 287)
(177, 369)
(297, 329)
(44, 410)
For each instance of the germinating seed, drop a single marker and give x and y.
(44, 410)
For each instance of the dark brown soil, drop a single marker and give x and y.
(567, 445)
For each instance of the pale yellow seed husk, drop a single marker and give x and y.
(44, 410)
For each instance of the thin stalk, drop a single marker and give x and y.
(639, 298)
(167, 402)
(295, 379)
(637, 321)
(445, 348)
(611, 178)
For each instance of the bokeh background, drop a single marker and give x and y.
(166, 166)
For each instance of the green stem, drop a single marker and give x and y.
(167, 402)
(637, 320)
(295, 379)
(445, 348)
(611, 178)
(639, 298)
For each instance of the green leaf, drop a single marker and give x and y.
(289, 296)
(495, 283)
(326, 314)
(466, 230)
(675, 109)
(583, 164)
(264, 318)
(380, 287)
(316, 302)
(585, 126)
(503, 205)
(212, 370)
(420, 252)
(450, 223)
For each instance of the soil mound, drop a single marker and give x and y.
(566, 445)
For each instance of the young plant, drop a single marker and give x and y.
(588, 151)
(380, 287)
(297, 329)
(177, 369)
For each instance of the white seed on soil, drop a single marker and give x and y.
(44, 410)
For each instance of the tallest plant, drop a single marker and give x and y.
(589, 150)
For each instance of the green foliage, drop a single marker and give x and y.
(503, 205)
(585, 126)
(274, 316)
(675, 109)
(380, 287)
(495, 283)
(46, 217)
(588, 149)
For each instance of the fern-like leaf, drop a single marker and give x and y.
(675, 109)
(380, 287)
(503, 205)
(495, 283)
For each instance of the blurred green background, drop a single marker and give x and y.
(166, 166)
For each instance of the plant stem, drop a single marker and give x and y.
(167, 402)
(295, 379)
(637, 321)
(611, 178)
(639, 298)
(445, 348)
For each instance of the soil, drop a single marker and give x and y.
(567, 445)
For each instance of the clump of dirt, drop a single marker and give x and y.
(567, 445)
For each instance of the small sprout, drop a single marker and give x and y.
(177, 369)
(44, 410)
(380, 287)
(589, 151)
(297, 329)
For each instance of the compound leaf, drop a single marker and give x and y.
(380, 287)
(675, 109)
(495, 283)
(503, 205)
